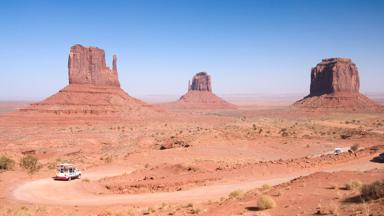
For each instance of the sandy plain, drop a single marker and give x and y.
(191, 162)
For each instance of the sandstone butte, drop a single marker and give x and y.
(200, 96)
(335, 86)
(93, 89)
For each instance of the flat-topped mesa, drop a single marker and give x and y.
(334, 75)
(86, 65)
(335, 87)
(200, 82)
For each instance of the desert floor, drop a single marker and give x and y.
(191, 162)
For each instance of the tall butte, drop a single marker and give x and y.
(200, 96)
(335, 85)
(93, 89)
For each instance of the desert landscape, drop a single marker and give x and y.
(200, 155)
(197, 153)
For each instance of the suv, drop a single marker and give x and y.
(67, 172)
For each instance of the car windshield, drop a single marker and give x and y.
(64, 169)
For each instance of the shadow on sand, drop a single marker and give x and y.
(252, 208)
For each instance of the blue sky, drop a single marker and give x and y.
(262, 47)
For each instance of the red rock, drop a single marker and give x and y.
(200, 96)
(201, 82)
(334, 75)
(93, 89)
(335, 86)
(86, 65)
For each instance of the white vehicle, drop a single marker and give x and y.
(67, 171)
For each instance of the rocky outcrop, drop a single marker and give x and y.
(93, 90)
(335, 86)
(86, 65)
(334, 75)
(201, 82)
(200, 96)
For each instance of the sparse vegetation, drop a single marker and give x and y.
(189, 205)
(30, 163)
(195, 210)
(235, 194)
(150, 210)
(284, 132)
(107, 159)
(373, 191)
(254, 127)
(353, 185)
(6, 163)
(266, 187)
(265, 202)
(51, 166)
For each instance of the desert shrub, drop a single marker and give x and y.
(346, 135)
(254, 127)
(353, 185)
(189, 205)
(284, 132)
(107, 159)
(6, 163)
(195, 211)
(29, 163)
(355, 147)
(235, 194)
(150, 210)
(265, 202)
(266, 187)
(51, 166)
(373, 191)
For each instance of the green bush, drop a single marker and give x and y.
(6, 163)
(373, 191)
(265, 202)
(30, 163)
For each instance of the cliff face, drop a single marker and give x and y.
(335, 86)
(86, 65)
(200, 95)
(201, 82)
(334, 75)
(93, 90)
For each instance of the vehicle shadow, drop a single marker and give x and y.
(57, 179)
(252, 208)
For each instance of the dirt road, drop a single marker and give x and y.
(48, 191)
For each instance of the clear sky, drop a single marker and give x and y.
(262, 47)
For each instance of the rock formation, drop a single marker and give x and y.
(335, 86)
(201, 82)
(93, 89)
(334, 75)
(200, 96)
(86, 65)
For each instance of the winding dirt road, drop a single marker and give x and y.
(48, 191)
